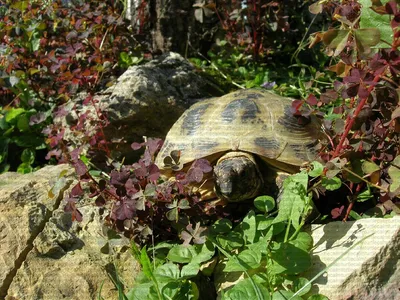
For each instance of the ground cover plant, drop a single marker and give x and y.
(186, 242)
(50, 51)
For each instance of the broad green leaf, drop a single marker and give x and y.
(284, 295)
(317, 170)
(394, 173)
(264, 203)
(221, 226)
(23, 122)
(294, 199)
(13, 113)
(331, 184)
(140, 291)
(246, 260)
(369, 167)
(246, 290)
(230, 241)
(336, 39)
(303, 241)
(366, 38)
(263, 222)
(298, 283)
(262, 245)
(29, 141)
(172, 214)
(24, 168)
(181, 253)
(249, 227)
(190, 270)
(289, 259)
(28, 156)
(168, 271)
(370, 19)
(171, 289)
(204, 252)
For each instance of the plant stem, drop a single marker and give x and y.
(350, 121)
(363, 179)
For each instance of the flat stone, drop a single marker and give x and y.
(46, 256)
(370, 270)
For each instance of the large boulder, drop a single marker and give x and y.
(145, 101)
(47, 256)
(370, 267)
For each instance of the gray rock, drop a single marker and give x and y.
(369, 271)
(44, 255)
(145, 101)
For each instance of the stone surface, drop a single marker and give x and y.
(44, 255)
(370, 270)
(145, 101)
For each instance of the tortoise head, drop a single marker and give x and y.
(237, 177)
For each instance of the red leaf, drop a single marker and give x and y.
(77, 190)
(80, 167)
(312, 100)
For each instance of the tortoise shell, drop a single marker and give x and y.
(253, 121)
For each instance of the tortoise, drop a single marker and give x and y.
(243, 134)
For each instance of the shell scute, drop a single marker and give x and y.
(254, 121)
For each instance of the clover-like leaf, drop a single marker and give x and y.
(336, 39)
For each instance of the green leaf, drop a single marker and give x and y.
(140, 291)
(29, 141)
(336, 39)
(204, 252)
(20, 5)
(190, 270)
(289, 259)
(370, 19)
(23, 123)
(181, 253)
(284, 295)
(13, 113)
(24, 168)
(3, 148)
(394, 173)
(28, 156)
(172, 214)
(331, 184)
(317, 169)
(355, 215)
(366, 38)
(294, 199)
(230, 241)
(249, 227)
(298, 283)
(262, 245)
(264, 203)
(263, 222)
(145, 262)
(245, 290)
(364, 195)
(171, 289)
(167, 272)
(221, 226)
(369, 167)
(303, 241)
(248, 259)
